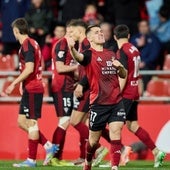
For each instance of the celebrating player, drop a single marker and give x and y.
(32, 93)
(105, 97)
(81, 96)
(62, 91)
(130, 58)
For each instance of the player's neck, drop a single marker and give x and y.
(97, 47)
(122, 41)
(22, 38)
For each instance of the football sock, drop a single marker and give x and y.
(144, 136)
(90, 150)
(84, 134)
(115, 152)
(32, 145)
(42, 139)
(59, 138)
(105, 135)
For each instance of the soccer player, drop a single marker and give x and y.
(129, 56)
(63, 68)
(32, 93)
(105, 97)
(81, 97)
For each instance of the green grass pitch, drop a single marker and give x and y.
(133, 165)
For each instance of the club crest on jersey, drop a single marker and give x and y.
(99, 59)
(61, 54)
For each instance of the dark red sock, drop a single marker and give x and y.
(90, 150)
(59, 138)
(144, 136)
(84, 134)
(115, 152)
(105, 135)
(32, 145)
(42, 139)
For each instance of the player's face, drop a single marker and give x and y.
(59, 31)
(74, 33)
(97, 35)
(15, 32)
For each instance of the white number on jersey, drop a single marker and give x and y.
(136, 61)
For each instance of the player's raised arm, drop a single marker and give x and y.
(79, 57)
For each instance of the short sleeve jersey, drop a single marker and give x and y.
(30, 52)
(102, 77)
(129, 56)
(63, 81)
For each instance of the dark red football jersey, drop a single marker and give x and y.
(129, 56)
(102, 77)
(30, 52)
(64, 81)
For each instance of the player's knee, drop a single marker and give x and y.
(64, 122)
(133, 127)
(33, 126)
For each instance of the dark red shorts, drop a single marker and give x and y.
(31, 104)
(100, 115)
(82, 104)
(63, 103)
(131, 109)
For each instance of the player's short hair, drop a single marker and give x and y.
(77, 22)
(21, 24)
(121, 31)
(90, 27)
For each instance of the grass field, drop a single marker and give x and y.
(133, 165)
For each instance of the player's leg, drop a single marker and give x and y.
(97, 121)
(81, 107)
(27, 107)
(116, 122)
(22, 122)
(63, 102)
(91, 147)
(142, 134)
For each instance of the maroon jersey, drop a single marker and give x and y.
(30, 52)
(102, 77)
(130, 57)
(62, 81)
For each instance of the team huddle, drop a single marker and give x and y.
(86, 77)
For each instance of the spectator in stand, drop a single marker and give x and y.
(1, 45)
(71, 9)
(39, 18)
(149, 47)
(162, 30)
(153, 7)
(91, 15)
(58, 33)
(110, 43)
(124, 12)
(10, 10)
